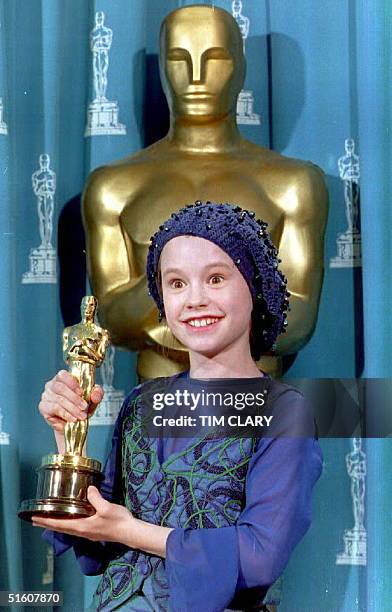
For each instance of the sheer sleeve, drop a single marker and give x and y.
(209, 569)
(93, 557)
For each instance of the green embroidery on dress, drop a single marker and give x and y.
(141, 458)
(135, 578)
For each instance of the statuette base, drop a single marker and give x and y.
(42, 266)
(354, 548)
(349, 251)
(102, 119)
(63, 481)
(245, 114)
(4, 438)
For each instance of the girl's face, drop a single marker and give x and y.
(207, 301)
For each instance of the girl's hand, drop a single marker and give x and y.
(111, 523)
(62, 401)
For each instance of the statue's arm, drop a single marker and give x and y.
(301, 249)
(94, 36)
(121, 288)
(340, 165)
(103, 345)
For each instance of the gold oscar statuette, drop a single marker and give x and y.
(63, 479)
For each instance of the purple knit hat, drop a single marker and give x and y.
(247, 242)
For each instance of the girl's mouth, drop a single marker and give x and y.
(202, 324)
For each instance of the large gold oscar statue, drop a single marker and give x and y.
(203, 157)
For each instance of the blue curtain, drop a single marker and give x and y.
(320, 72)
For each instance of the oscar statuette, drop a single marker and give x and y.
(63, 479)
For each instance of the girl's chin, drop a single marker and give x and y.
(198, 343)
(204, 347)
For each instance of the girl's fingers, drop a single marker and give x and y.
(54, 409)
(67, 378)
(62, 401)
(95, 398)
(62, 390)
(96, 394)
(78, 410)
(57, 423)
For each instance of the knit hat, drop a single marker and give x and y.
(246, 240)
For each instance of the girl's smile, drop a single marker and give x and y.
(203, 324)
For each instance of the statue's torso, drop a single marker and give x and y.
(82, 339)
(132, 197)
(151, 186)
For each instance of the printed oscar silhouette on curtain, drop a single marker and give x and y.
(245, 102)
(48, 574)
(43, 259)
(4, 437)
(349, 242)
(3, 125)
(355, 538)
(102, 115)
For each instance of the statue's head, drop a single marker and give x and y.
(44, 160)
(350, 145)
(99, 18)
(356, 444)
(236, 6)
(202, 62)
(88, 307)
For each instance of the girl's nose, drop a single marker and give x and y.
(196, 296)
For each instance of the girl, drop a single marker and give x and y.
(204, 523)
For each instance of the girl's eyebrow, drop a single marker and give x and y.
(215, 264)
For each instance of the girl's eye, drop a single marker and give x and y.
(176, 283)
(216, 279)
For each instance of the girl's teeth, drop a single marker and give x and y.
(202, 322)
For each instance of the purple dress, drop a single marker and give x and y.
(238, 508)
